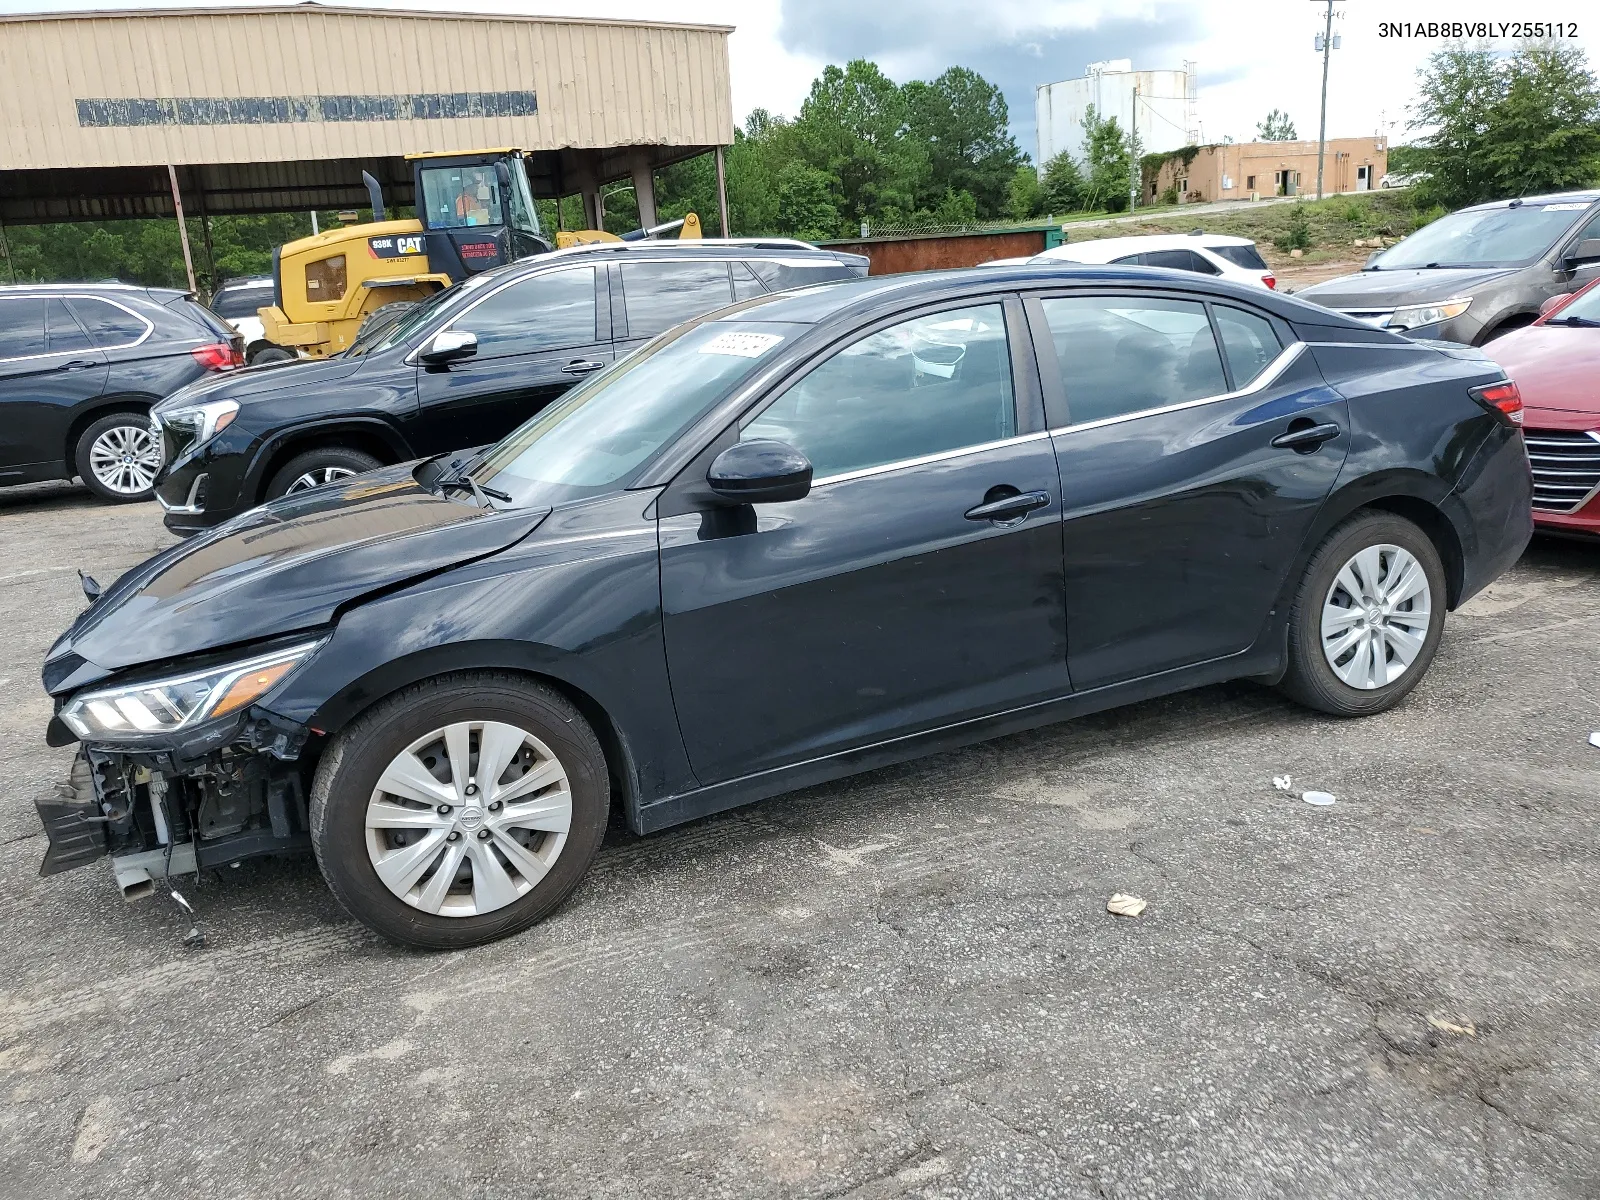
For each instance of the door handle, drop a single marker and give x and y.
(1307, 438)
(1008, 508)
(78, 364)
(583, 366)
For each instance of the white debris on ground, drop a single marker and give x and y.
(1281, 782)
(1594, 738)
(1125, 906)
(1317, 797)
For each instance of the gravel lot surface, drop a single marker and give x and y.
(906, 984)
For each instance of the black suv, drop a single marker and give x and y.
(461, 368)
(80, 367)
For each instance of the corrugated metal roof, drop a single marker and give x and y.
(308, 82)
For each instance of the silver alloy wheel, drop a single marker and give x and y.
(1375, 617)
(317, 477)
(126, 458)
(468, 818)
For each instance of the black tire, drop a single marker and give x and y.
(320, 461)
(134, 423)
(272, 354)
(1310, 679)
(356, 758)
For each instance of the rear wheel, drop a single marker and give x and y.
(461, 810)
(1368, 617)
(317, 468)
(118, 457)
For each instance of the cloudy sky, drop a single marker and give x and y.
(1249, 55)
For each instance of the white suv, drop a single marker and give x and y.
(1232, 258)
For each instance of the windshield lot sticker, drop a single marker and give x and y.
(1564, 207)
(745, 345)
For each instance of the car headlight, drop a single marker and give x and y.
(202, 422)
(168, 705)
(1413, 316)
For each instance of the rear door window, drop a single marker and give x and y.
(546, 312)
(1128, 354)
(109, 325)
(1179, 260)
(1250, 340)
(233, 303)
(1247, 257)
(21, 326)
(658, 296)
(65, 332)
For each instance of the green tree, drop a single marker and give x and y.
(1063, 184)
(852, 127)
(1025, 194)
(1110, 162)
(962, 120)
(1277, 127)
(805, 206)
(1544, 134)
(1499, 127)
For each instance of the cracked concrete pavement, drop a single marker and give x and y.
(904, 984)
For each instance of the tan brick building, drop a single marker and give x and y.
(1234, 171)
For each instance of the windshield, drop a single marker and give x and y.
(454, 197)
(1496, 237)
(597, 436)
(1586, 308)
(241, 301)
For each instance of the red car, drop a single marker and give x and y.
(1555, 363)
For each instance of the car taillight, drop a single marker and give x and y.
(1501, 398)
(1271, 281)
(219, 356)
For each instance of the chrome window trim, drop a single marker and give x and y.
(149, 325)
(1265, 379)
(925, 459)
(450, 322)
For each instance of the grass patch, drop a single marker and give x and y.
(1307, 224)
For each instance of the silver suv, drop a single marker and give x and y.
(1477, 273)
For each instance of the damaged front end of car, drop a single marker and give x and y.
(180, 770)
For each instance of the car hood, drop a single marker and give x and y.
(287, 566)
(1391, 289)
(249, 382)
(1554, 366)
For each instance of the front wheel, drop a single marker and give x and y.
(461, 810)
(271, 354)
(1368, 617)
(318, 468)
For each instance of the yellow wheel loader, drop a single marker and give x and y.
(475, 211)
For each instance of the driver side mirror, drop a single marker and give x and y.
(448, 346)
(760, 472)
(502, 176)
(1553, 303)
(1581, 254)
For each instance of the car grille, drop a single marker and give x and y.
(1370, 316)
(1566, 468)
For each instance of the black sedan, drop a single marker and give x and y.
(799, 538)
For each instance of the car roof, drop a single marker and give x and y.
(1118, 246)
(1585, 196)
(825, 301)
(112, 286)
(254, 281)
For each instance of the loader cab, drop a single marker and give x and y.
(476, 210)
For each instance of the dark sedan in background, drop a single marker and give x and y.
(1476, 274)
(80, 367)
(462, 368)
(806, 536)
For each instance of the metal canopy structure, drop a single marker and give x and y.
(272, 109)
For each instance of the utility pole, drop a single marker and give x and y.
(1133, 151)
(1322, 127)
